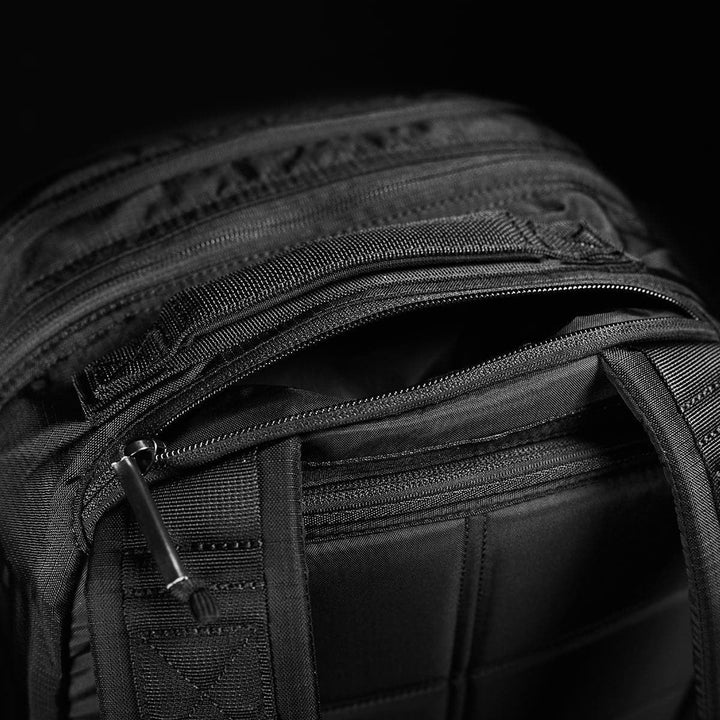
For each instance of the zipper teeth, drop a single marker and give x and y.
(433, 154)
(169, 454)
(498, 458)
(336, 523)
(530, 460)
(208, 142)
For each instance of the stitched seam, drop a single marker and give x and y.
(595, 476)
(210, 272)
(492, 488)
(204, 546)
(480, 615)
(458, 606)
(699, 654)
(602, 404)
(216, 587)
(348, 415)
(259, 483)
(708, 390)
(422, 477)
(203, 694)
(245, 628)
(262, 190)
(138, 696)
(705, 439)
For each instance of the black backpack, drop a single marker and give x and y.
(378, 411)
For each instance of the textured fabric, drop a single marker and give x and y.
(239, 529)
(674, 390)
(206, 291)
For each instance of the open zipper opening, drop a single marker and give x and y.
(439, 488)
(612, 308)
(414, 346)
(423, 348)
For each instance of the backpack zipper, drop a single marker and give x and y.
(165, 163)
(451, 489)
(136, 459)
(164, 454)
(436, 492)
(95, 493)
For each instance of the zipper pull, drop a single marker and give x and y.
(137, 458)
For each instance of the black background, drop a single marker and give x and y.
(636, 92)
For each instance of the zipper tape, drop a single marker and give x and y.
(100, 491)
(257, 637)
(482, 236)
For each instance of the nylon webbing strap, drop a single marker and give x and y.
(675, 391)
(238, 525)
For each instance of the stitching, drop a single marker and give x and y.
(454, 470)
(210, 272)
(492, 486)
(204, 546)
(204, 694)
(595, 476)
(274, 186)
(500, 364)
(217, 587)
(705, 439)
(133, 665)
(707, 390)
(461, 586)
(315, 464)
(206, 631)
(480, 614)
(206, 136)
(207, 693)
(699, 637)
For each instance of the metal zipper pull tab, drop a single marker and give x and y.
(137, 458)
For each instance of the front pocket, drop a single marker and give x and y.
(307, 377)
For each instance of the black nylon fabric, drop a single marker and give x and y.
(239, 528)
(280, 235)
(674, 391)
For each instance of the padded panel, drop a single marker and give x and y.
(572, 604)
(384, 608)
(566, 561)
(638, 664)
(425, 702)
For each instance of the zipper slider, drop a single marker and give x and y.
(137, 458)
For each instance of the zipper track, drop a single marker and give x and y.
(97, 494)
(525, 458)
(166, 455)
(442, 496)
(229, 236)
(314, 177)
(13, 343)
(422, 110)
